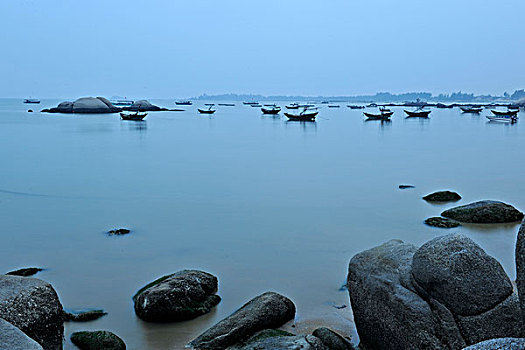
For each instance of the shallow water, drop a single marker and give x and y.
(262, 203)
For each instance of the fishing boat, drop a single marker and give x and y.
(31, 100)
(333, 106)
(471, 109)
(355, 107)
(384, 109)
(504, 119)
(441, 105)
(292, 106)
(256, 105)
(227, 104)
(210, 110)
(418, 114)
(513, 107)
(508, 113)
(372, 105)
(381, 116)
(133, 116)
(183, 103)
(305, 115)
(272, 110)
(250, 103)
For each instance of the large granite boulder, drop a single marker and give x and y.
(12, 338)
(297, 342)
(97, 340)
(459, 274)
(332, 340)
(499, 344)
(144, 106)
(85, 105)
(181, 296)
(268, 310)
(445, 295)
(484, 212)
(32, 305)
(520, 268)
(442, 196)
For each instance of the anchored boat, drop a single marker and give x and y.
(471, 109)
(417, 114)
(133, 116)
(305, 115)
(381, 116)
(210, 109)
(272, 110)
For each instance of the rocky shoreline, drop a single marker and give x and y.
(446, 294)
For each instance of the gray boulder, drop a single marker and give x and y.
(181, 296)
(32, 305)
(332, 340)
(12, 338)
(268, 310)
(484, 212)
(388, 312)
(499, 344)
(144, 106)
(97, 340)
(459, 274)
(298, 342)
(442, 196)
(85, 105)
(520, 268)
(441, 222)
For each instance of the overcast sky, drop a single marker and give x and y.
(167, 48)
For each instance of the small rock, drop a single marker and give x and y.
(268, 310)
(181, 296)
(97, 340)
(332, 340)
(441, 222)
(29, 111)
(442, 196)
(83, 315)
(339, 307)
(484, 212)
(29, 271)
(119, 231)
(404, 187)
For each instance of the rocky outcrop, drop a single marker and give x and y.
(181, 296)
(332, 340)
(441, 222)
(445, 295)
(499, 344)
(85, 105)
(97, 340)
(520, 268)
(484, 212)
(25, 272)
(144, 106)
(83, 315)
(442, 196)
(268, 310)
(12, 338)
(32, 305)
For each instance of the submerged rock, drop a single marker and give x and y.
(268, 310)
(404, 187)
(442, 196)
(332, 340)
(484, 212)
(442, 222)
(119, 232)
(83, 315)
(97, 340)
(12, 338)
(499, 344)
(29, 271)
(85, 105)
(520, 268)
(32, 305)
(144, 106)
(181, 296)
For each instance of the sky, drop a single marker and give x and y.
(170, 49)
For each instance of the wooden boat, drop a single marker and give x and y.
(504, 113)
(133, 116)
(511, 119)
(418, 114)
(227, 104)
(355, 107)
(384, 109)
(250, 103)
(273, 110)
(471, 109)
(303, 116)
(333, 106)
(381, 116)
(372, 105)
(256, 105)
(292, 106)
(31, 100)
(183, 103)
(513, 107)
(210, 110)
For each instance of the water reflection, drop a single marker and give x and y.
(140, 126)
(306, 125)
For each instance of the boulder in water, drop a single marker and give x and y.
(85, 105)
(484, 212)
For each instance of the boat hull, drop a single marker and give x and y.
(502, 119)
(382, 116)
(471, 110)
(270, 111)
(421, 114)
(303, 117)
(507, 113)
(136, 117)
(206, 111)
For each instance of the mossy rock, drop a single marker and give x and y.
(484, 212)
(29, 271)
(442, 196)
(97, 340)
(83, 315)
(442, 222)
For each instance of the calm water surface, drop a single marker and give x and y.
(262, 203)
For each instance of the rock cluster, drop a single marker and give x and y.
(85, 105)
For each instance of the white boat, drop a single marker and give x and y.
(504, 119)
